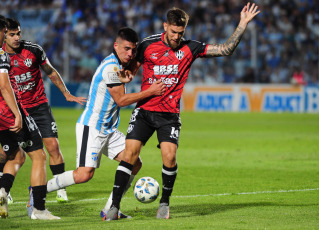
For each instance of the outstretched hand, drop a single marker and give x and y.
(248, 13)
(69, 97)
(125, 76)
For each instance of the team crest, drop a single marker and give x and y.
(28, 62)
(115, 68)
(15, 62)
(179, 54)
(153, 56)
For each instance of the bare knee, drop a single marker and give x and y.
(83, 174)
(52, 146)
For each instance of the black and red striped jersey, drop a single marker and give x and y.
(6, 116)
(172, 66)
(26, 74)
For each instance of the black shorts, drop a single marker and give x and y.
(44, 119)
(28, 138)
(143, 123)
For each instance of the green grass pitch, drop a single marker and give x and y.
(235, 171)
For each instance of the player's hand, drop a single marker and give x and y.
(17, 124)
(158, 88)
(248, 13)
(125, 76)
(69, 97)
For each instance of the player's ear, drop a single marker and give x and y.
(165, 26)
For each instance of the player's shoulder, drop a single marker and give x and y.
(33, 47)
(110, 63)
(193, 42)
(4, 59)
(151, 39)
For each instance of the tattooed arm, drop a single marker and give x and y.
(226, 49)
(57, 80)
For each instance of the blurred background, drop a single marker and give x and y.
(77, 34)
(277, 58)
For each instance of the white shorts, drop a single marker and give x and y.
(91, 144)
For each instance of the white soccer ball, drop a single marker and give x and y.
(146, 189)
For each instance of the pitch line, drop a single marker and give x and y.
(194, 196)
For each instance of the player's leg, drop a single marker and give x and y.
(89, 150)
(31, 142)
(45, 121)
(3, 160)
(14, 158)
(168, 137)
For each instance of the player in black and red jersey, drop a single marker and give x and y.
(168, 57)
(17, 128)
(26, 60)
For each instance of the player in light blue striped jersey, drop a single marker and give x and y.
(96, 129)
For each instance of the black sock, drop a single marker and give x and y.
(2, 167)
(57, 169)
(122, 177)
(6, 182)
(168, 177)
(39, 195)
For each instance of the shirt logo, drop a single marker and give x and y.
(166, 53)
(28, 62)
(165, 69)
(153, 56)
(15, 62)
(179, 54)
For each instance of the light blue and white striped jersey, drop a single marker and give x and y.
(101, 111)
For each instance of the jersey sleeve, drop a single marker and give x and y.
(37, 50)
(197, 48)
(4, 62)
(109, 74)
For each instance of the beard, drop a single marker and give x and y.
(173, 46)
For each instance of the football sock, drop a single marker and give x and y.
(122, 176)
(109, 201)
(60, 181)
(57, 169)
(168, 177)
(6, 182)
(39, 195)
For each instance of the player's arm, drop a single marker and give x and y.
(57, 80)
(8, 95)
(226, 49)
(127, 75)
(118, 93)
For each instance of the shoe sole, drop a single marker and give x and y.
(3, 212)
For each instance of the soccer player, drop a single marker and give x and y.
(18, 128)
(26, 60)
(168, 57)
(96, 129)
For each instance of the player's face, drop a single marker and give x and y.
(173, 35)
(2, 32)
(125, 50)
(13, 38)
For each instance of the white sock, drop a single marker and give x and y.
(109, 201)
(60, 181)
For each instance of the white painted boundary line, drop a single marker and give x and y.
(194, 196)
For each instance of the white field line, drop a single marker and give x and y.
(194, 196)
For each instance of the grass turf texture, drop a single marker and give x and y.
(221, 156)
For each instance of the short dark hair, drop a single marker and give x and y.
(3, 22)
(12, 23)
(127, 34)
(177, 17)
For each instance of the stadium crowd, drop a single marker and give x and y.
(286, 42)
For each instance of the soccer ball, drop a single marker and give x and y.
(146, 190)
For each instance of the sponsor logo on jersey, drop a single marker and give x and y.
(179, 54)
(165, 69)
(28, 62)
(167, 81)
(24, 88)
(153, 56)
(15, 62)
(23, 77)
